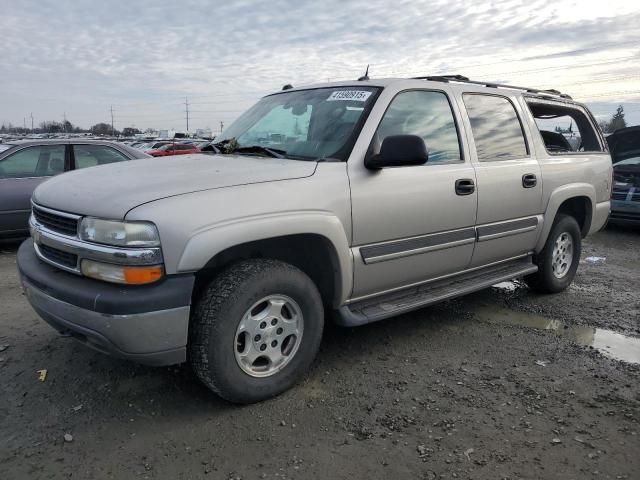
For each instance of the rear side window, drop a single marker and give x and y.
(428, 115)
(497, 131)
(564, 128)
(40, 161)
(92, 155)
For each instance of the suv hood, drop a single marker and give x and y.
(110, 191)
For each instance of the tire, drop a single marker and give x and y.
(221, 356)
(553, 280)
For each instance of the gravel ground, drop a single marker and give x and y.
(439, 393)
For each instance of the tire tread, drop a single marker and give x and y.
(208, 314)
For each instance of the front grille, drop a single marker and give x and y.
(58, 256)
(619, 196)
(56, 223)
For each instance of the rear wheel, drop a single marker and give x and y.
(255, 330)
(558, 260)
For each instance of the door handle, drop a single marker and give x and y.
(529, 180)
(465, 186)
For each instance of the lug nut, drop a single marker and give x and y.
(274, 343)
(279, 331)
(274, 321)
(263, 347)
(263, 325)
(257, 338)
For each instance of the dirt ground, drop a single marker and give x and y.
(450, 391)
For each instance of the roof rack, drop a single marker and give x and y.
(463, 79)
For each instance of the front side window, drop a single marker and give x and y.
(497, 131)
(39, 161)
(92, 155)
(564, 128)
(427, 115)
(313, 124)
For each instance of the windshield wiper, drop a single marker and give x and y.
(230, 145)
(224, 146)
(272, 152)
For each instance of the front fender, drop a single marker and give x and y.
(557, 197)
(215, 238)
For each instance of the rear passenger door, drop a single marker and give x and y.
(508, 177)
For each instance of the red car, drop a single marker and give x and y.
(173, 149)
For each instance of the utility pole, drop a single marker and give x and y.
(186, 109)
(64, 122)
(24, 123)
(112, 130)
(221, 126)
(31, 122)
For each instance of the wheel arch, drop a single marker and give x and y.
(316, 244)
(576, 200)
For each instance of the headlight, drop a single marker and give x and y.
(121, 273)
(119, 234)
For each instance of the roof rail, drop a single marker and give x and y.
(463, 79)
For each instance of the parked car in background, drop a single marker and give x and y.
(26, 164)
(624, 145)
(154, 145)
(173, 149)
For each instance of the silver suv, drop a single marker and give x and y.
(362, 199)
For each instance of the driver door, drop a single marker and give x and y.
(413, 223)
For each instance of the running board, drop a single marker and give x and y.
(396, 303)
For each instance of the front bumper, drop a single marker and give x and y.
(147, 324)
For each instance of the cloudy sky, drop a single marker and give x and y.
(144, 57)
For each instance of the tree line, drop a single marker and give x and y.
(52, 126)
(616, 122)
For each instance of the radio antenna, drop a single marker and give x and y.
(365, 76)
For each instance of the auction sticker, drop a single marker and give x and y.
(353, 95)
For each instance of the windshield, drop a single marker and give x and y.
(307, 124)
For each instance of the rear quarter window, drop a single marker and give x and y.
(564, 128)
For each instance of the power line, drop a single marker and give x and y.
(564, 67)
(612, 94)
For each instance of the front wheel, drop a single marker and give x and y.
(255, 330)
(558, 260)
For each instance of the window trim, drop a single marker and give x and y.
(604, 150)
(524, 135)
(462, 158)
(11, 153)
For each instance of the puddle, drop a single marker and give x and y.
(609, 343)
(507, 286)
(596, 260)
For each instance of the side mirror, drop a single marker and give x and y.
(399, 151)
